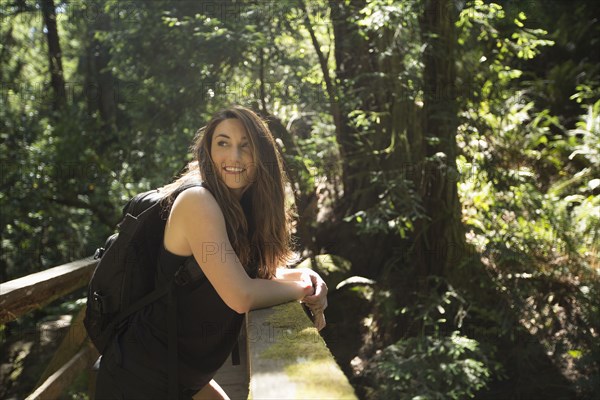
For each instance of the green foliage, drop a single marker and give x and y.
(586, 357)
(530, 202)
(142, 77)
(428, 367)
(397, 208)
(78, 166)
(382, 127)
(588, 139)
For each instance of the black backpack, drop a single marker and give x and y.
(124, 279)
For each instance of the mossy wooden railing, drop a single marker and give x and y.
(286, 356)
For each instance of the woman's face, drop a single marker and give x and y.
(232, 155)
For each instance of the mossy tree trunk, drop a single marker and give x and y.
(353, 66)
(439, 239)
(411, 145)
(407, 139)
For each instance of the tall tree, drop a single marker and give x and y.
(55, 66)
(352, 66)
(439, 239)
(100, 76)
(398, 146)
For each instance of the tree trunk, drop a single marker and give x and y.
(419, 143)
(106, 86)
(101, 84)
(360, 87)
(57, 78)
(332, 90)
(353, 62)
(261, 79)
(439, 240)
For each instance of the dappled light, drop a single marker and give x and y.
(442, 163)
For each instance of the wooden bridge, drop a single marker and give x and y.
(282, 354)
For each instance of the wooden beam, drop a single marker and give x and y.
(19, 296)
(59, 381)
(288, 359)
(69, 346)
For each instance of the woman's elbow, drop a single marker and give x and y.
(241, 303)
(241, 308)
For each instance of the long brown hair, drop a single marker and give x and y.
(259, 224)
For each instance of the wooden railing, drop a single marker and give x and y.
(286, 356)
(75, 354)
(19, 296)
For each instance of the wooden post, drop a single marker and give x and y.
(59, 381)
(69, 346)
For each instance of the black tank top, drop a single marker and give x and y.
(207, 331)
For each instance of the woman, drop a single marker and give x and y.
(237, 228)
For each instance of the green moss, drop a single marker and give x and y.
(320, 380)
(296, 338)
(288, 315)
(309, 362)
(294, 345)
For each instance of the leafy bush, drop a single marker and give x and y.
(428, 367)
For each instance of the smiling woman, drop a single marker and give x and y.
(233, 222)
(252, 201)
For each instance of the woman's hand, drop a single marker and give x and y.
(317, 302)
(316, 298)
(306, 283)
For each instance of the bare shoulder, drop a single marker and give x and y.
(195, 214)
(196, 202)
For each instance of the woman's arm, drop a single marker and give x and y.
(319, 295)
(197, 221)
